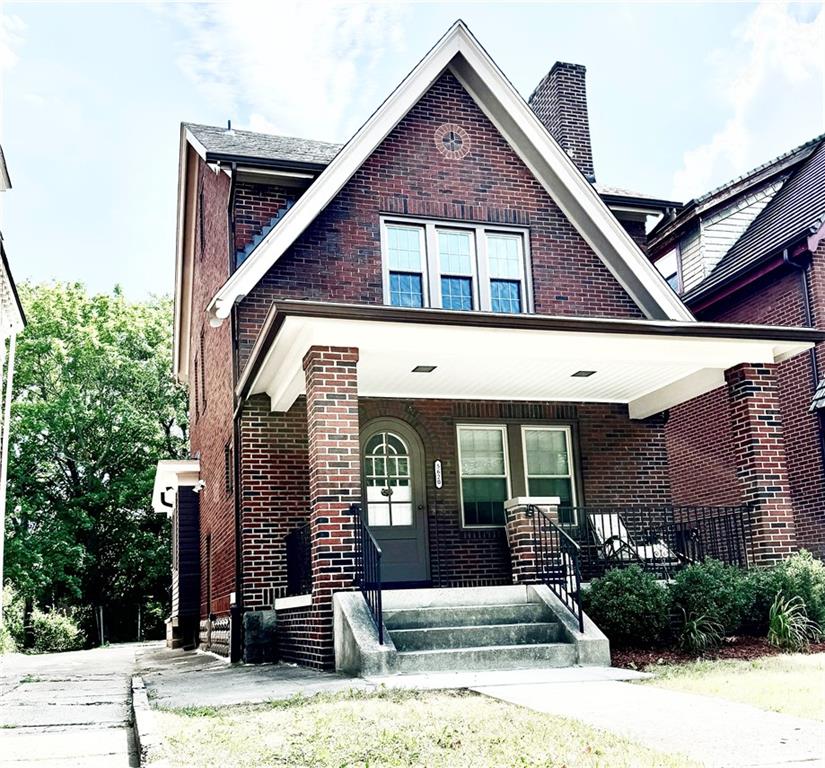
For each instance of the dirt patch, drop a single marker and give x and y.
(745, 648)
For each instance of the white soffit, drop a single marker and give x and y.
(648, 373)
(459, 51)
(169, 476)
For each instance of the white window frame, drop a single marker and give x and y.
(437, 273)
(385, 258)
(502, 428)
(522, 267)
(431, 290)
(571, 464)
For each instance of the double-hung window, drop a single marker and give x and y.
(497, 461)
(406, 264)
(548, 466)
(428, 264)
(485, 478)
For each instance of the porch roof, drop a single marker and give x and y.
(648, 365)
(169, 476)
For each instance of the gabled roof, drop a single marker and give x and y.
(779, 167)
(223, 144)
(796, 211)
(460, 53)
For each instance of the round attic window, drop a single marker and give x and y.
(452, 141)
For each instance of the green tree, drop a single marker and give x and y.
(94, 408)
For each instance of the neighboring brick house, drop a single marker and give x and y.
(753, 251)
(437, 317)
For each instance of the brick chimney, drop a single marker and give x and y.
(560, 102)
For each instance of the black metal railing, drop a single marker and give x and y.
(298, 561)
(659, 538)
(557, 561)
(368, 569)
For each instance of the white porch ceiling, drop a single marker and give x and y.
(647, 372)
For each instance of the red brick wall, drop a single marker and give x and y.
(338, 256)
(255, 206)
(211, 423)
(703, 462)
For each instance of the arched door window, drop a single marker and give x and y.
(388, 480)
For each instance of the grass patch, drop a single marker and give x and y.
(393, 728)
(788, 683)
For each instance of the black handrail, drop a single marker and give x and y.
(368, 569)
(557, 561)
(299, 561)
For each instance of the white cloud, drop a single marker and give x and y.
(11, 39)
(771, 81)
(290, 67)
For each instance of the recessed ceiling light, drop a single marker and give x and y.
(424, 368)
(583, 374)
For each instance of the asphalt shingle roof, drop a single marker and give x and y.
(818, 401)
(262, 146)
(798, 206)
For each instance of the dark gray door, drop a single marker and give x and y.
(394, 493)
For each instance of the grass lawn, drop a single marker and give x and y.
(793, 684)
(393, 728)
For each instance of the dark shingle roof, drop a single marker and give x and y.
(220, 143)
(797, 207)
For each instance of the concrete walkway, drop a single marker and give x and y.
(67, 709)
(711, 731)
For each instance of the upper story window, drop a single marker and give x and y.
(427, 264)
(668, 266)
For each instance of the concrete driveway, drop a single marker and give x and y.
(67, 709)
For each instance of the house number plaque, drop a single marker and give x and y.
(437, 473)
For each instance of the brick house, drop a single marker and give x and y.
(753, 251)
(441, 342)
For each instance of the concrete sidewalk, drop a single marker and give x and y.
(67, 709)
(711, 731)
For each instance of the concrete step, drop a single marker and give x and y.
(466, 615)
(396, 599)
(433, 638)
(487, 658)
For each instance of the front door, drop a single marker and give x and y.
(395, 500)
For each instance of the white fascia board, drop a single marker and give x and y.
(171, 475)
(182, 314)
(583, 205)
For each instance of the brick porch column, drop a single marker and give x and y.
(521, 534)
(761, 460)
(334, 459)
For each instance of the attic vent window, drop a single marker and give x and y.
(452, 141)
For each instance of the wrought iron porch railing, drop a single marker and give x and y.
(660, 539)
(298, 561)
(368, 569)
(557, 561)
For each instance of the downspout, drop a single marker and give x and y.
(230, 217)
(804, 283)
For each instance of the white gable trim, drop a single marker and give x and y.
(461, 53)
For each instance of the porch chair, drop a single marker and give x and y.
(615, 545)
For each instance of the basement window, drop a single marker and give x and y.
(447, 266)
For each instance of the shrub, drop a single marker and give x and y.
(629, 606)
(803, 576)
(7, 644)
(55, 631)
(789, 626)
(718, 592)
(700, 633)
(11, 634)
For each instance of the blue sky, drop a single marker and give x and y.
(682, 97)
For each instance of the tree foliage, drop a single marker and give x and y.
(94, 409)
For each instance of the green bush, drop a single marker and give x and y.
(803, 576)
(789, 626)
(629, 606)
(11, 634)
(700, 634)
(55, 631)
(718, 592)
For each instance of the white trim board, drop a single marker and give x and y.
(460, 53)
